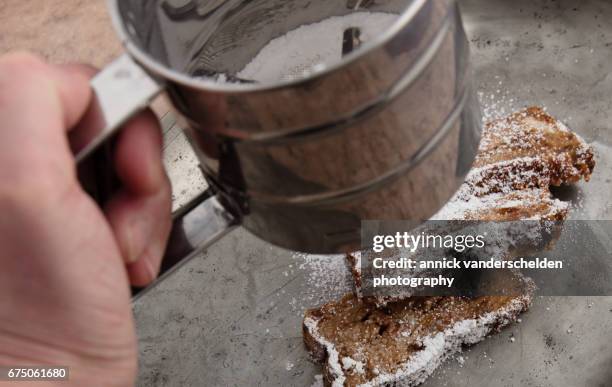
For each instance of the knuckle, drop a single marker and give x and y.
(40, 181)
(23, 62)
(27, 192)
(23, 70)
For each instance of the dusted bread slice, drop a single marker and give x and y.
(519, 159)
(363, 342)
(533, 134)
(403, 342)
(525, 204)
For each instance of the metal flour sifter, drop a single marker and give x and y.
(388, 131)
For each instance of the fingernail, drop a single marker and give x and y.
(131, 253)
(152, 274)
(138, 233)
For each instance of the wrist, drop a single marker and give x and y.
(115, 367)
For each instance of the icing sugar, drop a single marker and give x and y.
(313, 47)
(351, 365)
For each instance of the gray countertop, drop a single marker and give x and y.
(232, 316)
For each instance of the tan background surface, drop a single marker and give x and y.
(59, 30)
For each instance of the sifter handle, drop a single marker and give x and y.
(120, 90)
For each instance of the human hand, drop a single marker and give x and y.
(66, 265)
